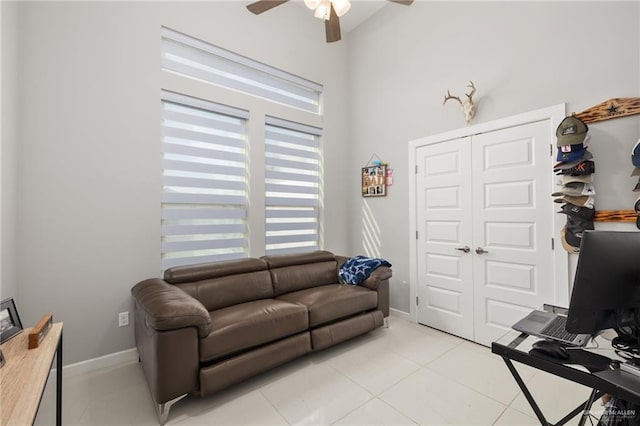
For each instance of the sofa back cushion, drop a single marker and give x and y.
(220, 284)
(295, 272)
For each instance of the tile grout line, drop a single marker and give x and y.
(467, 387)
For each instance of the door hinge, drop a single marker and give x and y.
(553, 243)
(417, 299)
(416, 235)
(550, 150)
(416, 169)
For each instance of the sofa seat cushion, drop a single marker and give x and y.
(251, 324)
(334, 301)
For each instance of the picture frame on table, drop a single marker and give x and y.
(2, 361)
(10, 323)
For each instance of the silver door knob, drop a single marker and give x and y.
(465, 249)
(480, 250)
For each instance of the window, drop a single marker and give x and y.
(207, 148)
(292, 183)
(204, 186)
(195, 58)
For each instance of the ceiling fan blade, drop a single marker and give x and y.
(263, 5)
(332, 27)
(404, 2)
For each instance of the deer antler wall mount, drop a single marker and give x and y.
(468, 107)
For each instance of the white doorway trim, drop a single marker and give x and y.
(555, 114)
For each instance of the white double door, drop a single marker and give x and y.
(485, 230)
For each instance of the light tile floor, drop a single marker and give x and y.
(406, 374)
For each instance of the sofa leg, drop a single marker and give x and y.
(163, 409)
(386, 322)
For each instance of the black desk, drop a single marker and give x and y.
(515, 346)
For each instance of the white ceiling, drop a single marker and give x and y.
(360, 11)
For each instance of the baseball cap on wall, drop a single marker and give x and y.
(568, 179)
(635, 154)
(576, 189)
(636, 207)
(571, 131)
(574, 228)
(568, 247)
(586, 155)
(569, 153)
(583, 168)
(578, 212)
(582, 201)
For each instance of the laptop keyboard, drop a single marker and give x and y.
(557, 329)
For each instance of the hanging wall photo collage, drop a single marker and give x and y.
(374, 180)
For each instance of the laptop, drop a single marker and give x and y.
(550, 325)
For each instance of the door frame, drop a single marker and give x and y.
(554, 114)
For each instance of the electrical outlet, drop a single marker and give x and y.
(123, 319)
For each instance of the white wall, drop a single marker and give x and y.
(89, 150)
(8, 148)
(521, 57)
(87, 131)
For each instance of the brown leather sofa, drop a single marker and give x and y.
(206, 327)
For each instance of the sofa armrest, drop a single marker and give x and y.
(372, 282)
(380, 274)
(340, 260)
(377, 281)
(166, 307)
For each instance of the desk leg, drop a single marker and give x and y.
(525, 391)
(595, 394)
(59, 382)
(585, 408)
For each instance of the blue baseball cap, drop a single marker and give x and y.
(570, 153)
(635, 154)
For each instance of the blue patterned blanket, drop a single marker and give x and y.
(358, 268)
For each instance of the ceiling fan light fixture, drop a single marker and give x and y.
(323, 11)
(328, 10)
(341, 6)
(312, 4)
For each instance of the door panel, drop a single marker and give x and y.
(510, 235)
(503, 315)
(501, 195)
(508, 154)
(446, 301)
(512, 223)
(511, 276)
(445, 277)
(442, 198)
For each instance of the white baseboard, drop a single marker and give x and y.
(399, 314)
(116, 359)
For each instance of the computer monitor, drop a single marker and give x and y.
(606, 289)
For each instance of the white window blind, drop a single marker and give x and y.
(198, 59)
(204, 186)
(292, 181)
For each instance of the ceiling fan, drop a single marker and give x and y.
(328, 10)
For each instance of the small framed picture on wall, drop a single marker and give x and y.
(374, 181)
